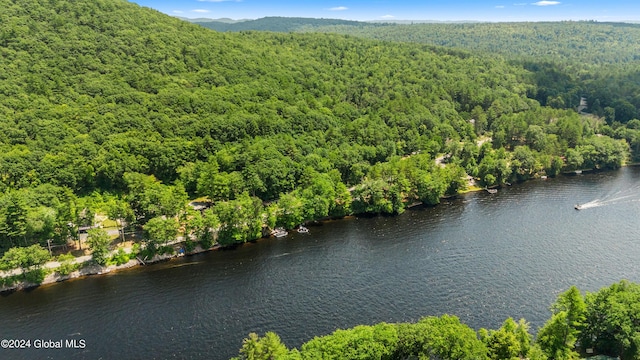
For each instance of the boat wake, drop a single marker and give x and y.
(623, 196)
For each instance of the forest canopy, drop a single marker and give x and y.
(105, 102)
(603, 323)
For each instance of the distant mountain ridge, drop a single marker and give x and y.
(293, 24)
(221, 20)
(274, 23)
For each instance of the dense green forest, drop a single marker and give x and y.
(109, 108)
(570, 60)
(606, 322)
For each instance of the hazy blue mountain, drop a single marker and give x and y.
(276, 24)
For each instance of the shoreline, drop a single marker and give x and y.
(94, 269)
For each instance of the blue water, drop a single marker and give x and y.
(482, 257)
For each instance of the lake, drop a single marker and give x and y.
(482, 257)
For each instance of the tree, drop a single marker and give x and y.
(559, 334)
(511, 341)
(150, 198)
(555, 166)
(268, 347)
(213, 184)
(430, 187)
(612, 322)
(240, 219)
(555, 338)
(494, 167)
(318, 197)
(523, 163)
(291, 210)
(66, 223)
(99, 242)
(41, 224)
(341, 204)
(442, 337)
(574, 159)
(14, 226)
(121, 211)
(159, 231)
(202, 227)
(373, 197)
(361, 342)
(25, 258)
(536, 138)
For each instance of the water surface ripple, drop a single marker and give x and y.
(481, 257)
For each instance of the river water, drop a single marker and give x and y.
(483, 257)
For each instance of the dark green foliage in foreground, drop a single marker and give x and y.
(607, 322)
(442, 338)
(373, 342)
(612, 321)
(558, 336)
(511, 341)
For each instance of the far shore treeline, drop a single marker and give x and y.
(605, 323)
(111, 110)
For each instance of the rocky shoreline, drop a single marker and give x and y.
(94, 269)
(91, 269)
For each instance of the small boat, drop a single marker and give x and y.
(303, 230)
(492, 191)
(279, 232)
(578, 207)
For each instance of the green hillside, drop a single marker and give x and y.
(598, 61)
(569, 42)
(89, 85)
(97, 95)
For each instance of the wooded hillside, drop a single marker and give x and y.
(570, 60)
(104, 99)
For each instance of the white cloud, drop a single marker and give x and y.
(387, 17)
(339, 8)
(546, 3)
(201, 11)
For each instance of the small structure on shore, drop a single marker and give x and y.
(303, 230)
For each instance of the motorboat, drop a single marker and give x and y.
(578, 207)
(303, 230)
(280, 232)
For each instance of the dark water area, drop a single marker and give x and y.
(483, 257)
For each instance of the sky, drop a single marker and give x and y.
(441, 10)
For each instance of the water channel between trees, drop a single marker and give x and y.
(483, 257)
